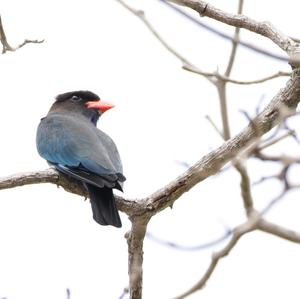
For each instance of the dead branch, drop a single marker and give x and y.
(135, 240)
(177, 246)
(188, 65)
(238, 232)
(279, 231)
(224, 78)
(207, 166)
(238, 20)
(253, 47)
(7, 47)
(254, 222)
(141, 211)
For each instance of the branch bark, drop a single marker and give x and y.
(140, 211)
(7, 47)
(254, 222)
(279, 231)
(54, 177)
(238, 232)
(241, 21)
(135, 240)
(210, 164)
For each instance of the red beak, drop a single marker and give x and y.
(99, 105)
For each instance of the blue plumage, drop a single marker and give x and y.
(68, 139)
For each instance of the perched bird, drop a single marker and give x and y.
(70, 141)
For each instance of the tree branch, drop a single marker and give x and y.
(255, 48)
(188, 65)
(54, 177)
(254, 222)
(217, 75)
(279, 231)
(235, 42)
(141, 15)
(181, 247)
(135, 242)
(6, 46)
(238, 20)
(141, 211)
(210, 164)
(238, 232)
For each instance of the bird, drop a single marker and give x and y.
(68, 139)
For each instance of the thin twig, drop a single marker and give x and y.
(125, 292)
(177, 246)
(207, 166)
(226, 36)
(245, 187)
(6, 46)
(275, 140)
(217, 75)
(188, 65)
(245, 181)
(68, 293)
(141, 15)
(235, 43)
(238, 232)
(254, 222)
(214, 126)
(265, 29)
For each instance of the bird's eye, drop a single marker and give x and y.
(75, 99)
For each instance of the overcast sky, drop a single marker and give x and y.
(49, 241)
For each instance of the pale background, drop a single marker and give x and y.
(49, 241)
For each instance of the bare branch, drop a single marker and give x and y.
(286, 160)
(6, 46)
(140, 211)
(135, 240)
(235, 42)
(212, 163)
(125, 292)
(226, 36)
(245, 187)
(221, 87)
(176, 246)
(141, 15)
(275, 140)
(217, 75)
(68, 293)
(189, 66)
(263, 28)
(28, 41)
(52, 176)
(214, 126)
(209, 165)
(279, 231)
(238, 232)
(254, 222)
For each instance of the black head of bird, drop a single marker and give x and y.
(86, 103)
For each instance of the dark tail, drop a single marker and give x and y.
(104, 206)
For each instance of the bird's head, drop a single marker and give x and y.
(84, 102)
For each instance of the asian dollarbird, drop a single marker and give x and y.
(70, 141)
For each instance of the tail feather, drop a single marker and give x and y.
(104, 206)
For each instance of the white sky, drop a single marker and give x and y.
(48, 239)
